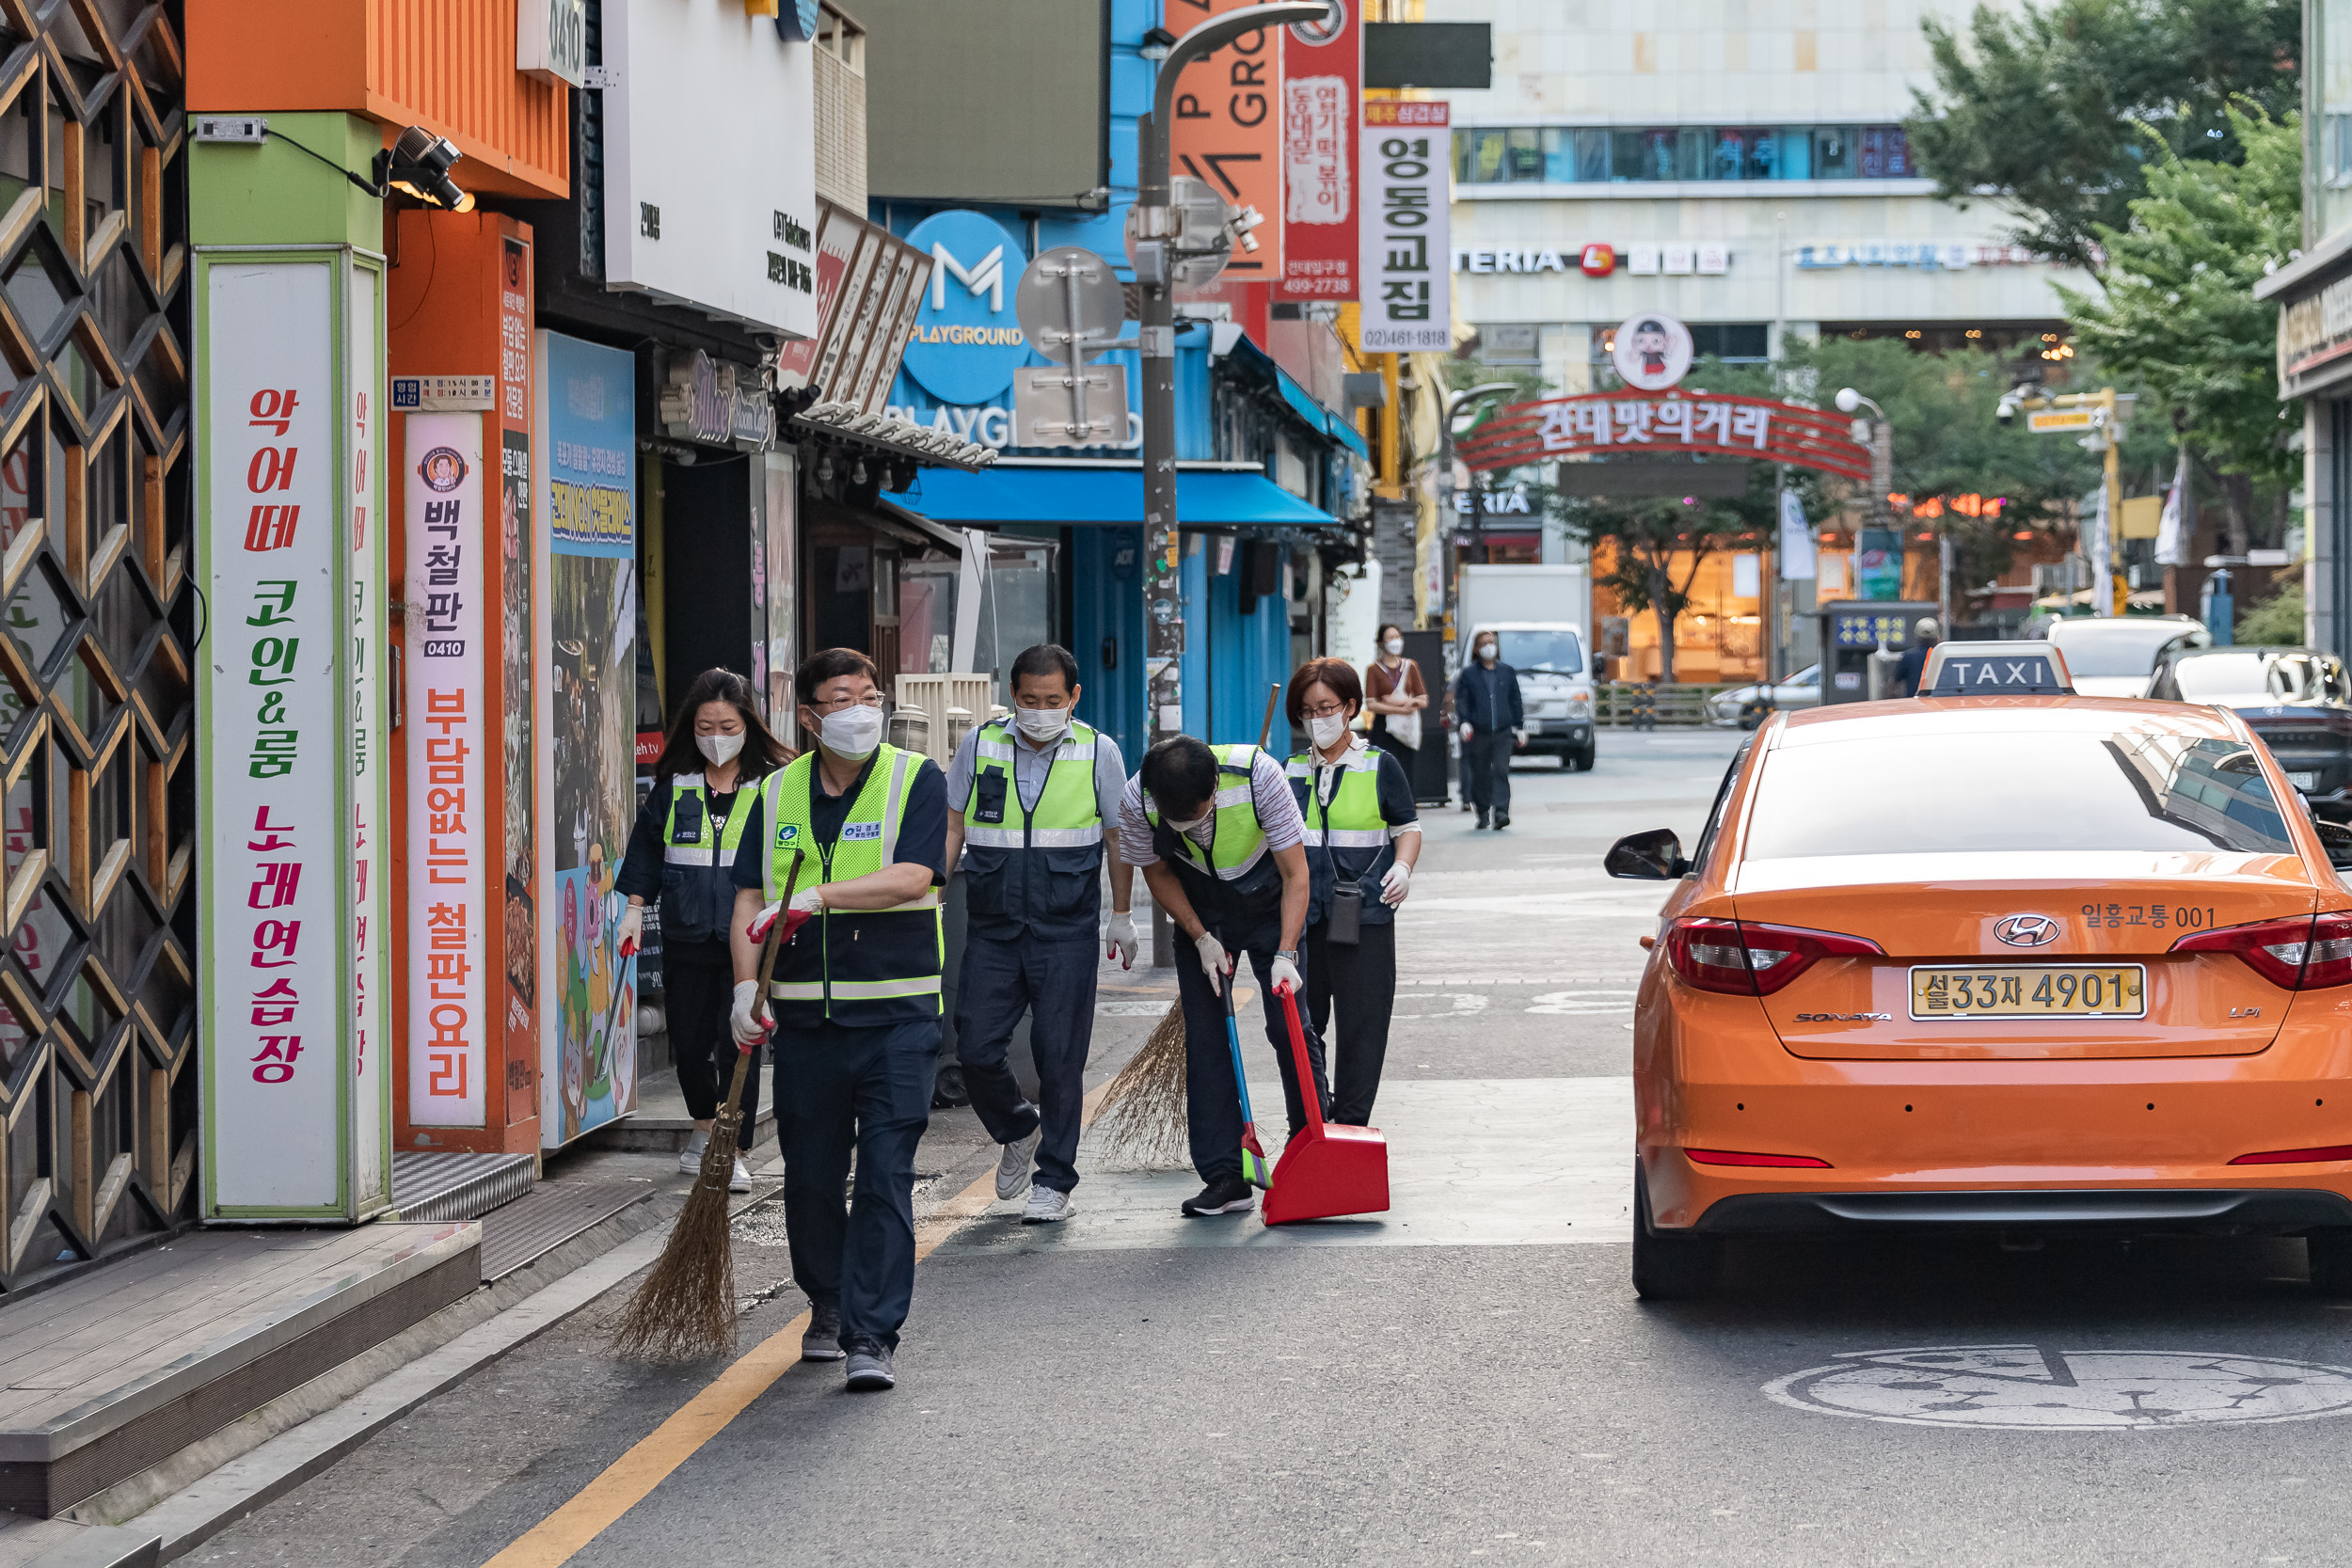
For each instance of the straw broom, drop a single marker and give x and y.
(686, 1309)
(1142, 1122)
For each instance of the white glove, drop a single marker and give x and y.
(1521, 737)
(748, 1028)
(1396, 884)
(1213, 959)
(1284, 976)
(632, 927)
(1120, 938)
(1466, 733)
(809, 900)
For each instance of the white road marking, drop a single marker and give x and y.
(2040, 1388)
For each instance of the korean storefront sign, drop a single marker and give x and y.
(290, 784)
(1228, 129)
(1406, 291)
(1322, 81)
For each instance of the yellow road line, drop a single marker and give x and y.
(628, 1480)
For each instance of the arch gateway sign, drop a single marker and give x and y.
(1677, 422)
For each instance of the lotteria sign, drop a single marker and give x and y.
(967, 340)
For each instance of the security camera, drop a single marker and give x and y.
(2005, 411)
(1847, 400)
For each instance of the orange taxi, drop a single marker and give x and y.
(2000, 955)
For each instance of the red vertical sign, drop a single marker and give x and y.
(1322, 86)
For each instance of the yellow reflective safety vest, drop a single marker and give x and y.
(856, 967)
(1235, 877)
(698, 859)
(1347, 837)
(1033, 872)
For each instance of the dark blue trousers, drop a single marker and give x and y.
(839, 1088)
(1212, 1100)
(1054, 982)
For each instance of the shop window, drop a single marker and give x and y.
(1735, 342)
(1523, 155)
(1832, 153)
(1512, 344)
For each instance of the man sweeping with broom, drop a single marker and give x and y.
(856, 1000)
(1218, 834)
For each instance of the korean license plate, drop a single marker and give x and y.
(2029, 990)
(2304, 780)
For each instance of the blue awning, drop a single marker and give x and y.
(996, 497)
(1338, 426)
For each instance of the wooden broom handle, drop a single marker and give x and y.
(1266, 731)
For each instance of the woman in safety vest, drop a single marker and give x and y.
(1363, 838)
(683, 853)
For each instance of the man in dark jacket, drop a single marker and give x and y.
(1486, 706)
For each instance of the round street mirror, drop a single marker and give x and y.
(1067, 301)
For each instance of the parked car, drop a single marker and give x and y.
(1802, 689)
(2297, 700)
(2114, 656)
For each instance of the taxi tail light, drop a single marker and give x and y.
(1726, 1157)
(2307, 953)
(1743, 957)
(2296, 1156)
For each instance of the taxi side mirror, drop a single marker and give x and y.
(1655, 856)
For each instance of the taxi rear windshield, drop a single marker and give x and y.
(2014, 791)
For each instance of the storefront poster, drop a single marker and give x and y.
(1406, 290)
(451, 1023)
(588, 756)
(370, 928)
(777, 657)
(518, 875)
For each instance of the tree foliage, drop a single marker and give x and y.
(2049, 113)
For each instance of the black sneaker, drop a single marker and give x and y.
(1482, 819)
(822, 1339)
(1228, 1195)
(869, 1371)
(1503, 820)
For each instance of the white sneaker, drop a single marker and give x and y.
(742, 1180)
(689, 1159)
(1046, 1207)
(1012, 1166)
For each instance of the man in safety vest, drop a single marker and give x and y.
(854, 998)
(1032, 797)
(1218, 835)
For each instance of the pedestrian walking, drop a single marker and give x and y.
(1219, 838)
(1395, 695)
(1034, 798)
(855, 998)
(681, 856)
(1925, 634)
(1486, 706)
(1362, 840)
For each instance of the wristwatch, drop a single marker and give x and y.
(1290, 953)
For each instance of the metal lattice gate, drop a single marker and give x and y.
(97, 1105)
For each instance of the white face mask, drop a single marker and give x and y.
(1185, 825)
(1041, 724)
(851, 733)
(1394, 646)
(720, 749)
(1487, 652)
(1326, 732)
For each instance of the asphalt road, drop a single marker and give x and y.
(1469, 1376)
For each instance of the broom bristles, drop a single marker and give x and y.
(686, 1309)
(1143, 1123)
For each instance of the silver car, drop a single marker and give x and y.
(1802, 689)
(2112, 655)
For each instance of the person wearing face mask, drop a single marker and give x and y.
(1364, 838)
(1394, 696)
(1217, 833)
(854, 999)
(1486, 706)
(682, 854)
(1033, 801)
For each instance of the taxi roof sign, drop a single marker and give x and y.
(2033, 668)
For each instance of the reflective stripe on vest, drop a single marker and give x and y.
(1236, 838)
(860, 955)
(1068, 814)
(729, 834)
(1351, 820)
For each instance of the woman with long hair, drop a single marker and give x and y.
(683, 853)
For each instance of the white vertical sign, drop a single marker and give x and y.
(1406, 294)
(272, 766)
(551, 39)
(371, 895)
(451, 772)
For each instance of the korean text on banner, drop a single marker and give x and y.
(1406, 292)
(273, 764)
(1226, 129)
(1796, 540)
(1322, 88)
(451, 774)
(371, 794)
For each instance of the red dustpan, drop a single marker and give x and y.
(1326, 1168)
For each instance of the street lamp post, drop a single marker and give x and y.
(1445, 477)
(1882, 434)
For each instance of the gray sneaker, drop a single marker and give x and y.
(822, 1339)
(870, 1371)
(1046, 1207)
(1012, 1166)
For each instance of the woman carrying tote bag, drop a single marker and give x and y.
(1394, 696)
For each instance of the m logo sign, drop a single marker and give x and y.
(988, 277)
(966, 345)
